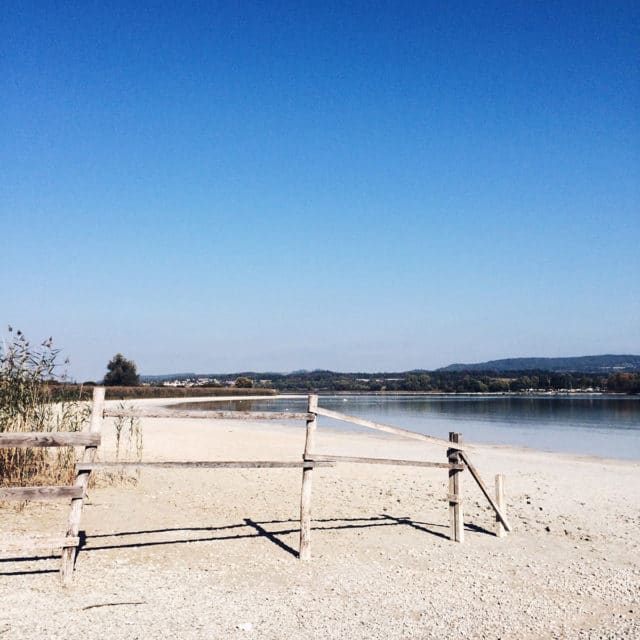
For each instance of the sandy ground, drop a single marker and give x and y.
(212, 553)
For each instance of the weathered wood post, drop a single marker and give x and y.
(500, 530)
(456, 524)
(305, 497)
(82, 480)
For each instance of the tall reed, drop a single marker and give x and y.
(26, 404)
(128, 446)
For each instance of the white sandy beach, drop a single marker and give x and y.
(211, 553)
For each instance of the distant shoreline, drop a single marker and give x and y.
(476, 394)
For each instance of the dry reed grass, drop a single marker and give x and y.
(29, 402)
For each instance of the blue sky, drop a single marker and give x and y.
(356, 186)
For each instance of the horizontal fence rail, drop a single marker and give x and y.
(210, 464)
(207, 415)
(384, 427)
(314, 457)
(207, 399)
(40, 493)
(57, 439)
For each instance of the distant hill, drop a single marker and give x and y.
(604, 365)
(582, 364)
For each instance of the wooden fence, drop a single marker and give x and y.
(457, 461)
(89, 440)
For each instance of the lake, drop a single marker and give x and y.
(606, 426)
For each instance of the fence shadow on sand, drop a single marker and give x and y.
(249, 528)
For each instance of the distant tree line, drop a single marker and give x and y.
(450, 381)
(122, 372)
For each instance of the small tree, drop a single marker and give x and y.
(121, 372)
(244, 383)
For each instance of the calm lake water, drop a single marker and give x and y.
(606, 426)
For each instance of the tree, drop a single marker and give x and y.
(244, 383)
(122, 372)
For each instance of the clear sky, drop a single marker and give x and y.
(357, 186)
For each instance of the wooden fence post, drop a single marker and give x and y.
(82, 480)
(305, 497)
(456, 523)
(500, 530)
